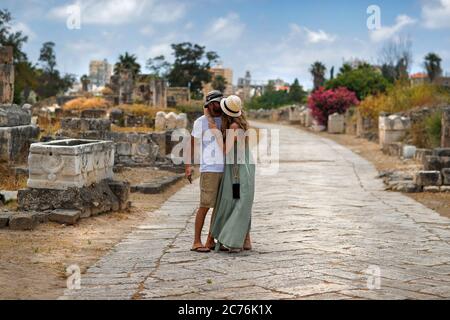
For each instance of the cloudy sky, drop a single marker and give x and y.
(272, 39)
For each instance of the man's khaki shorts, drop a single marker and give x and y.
(209, 187)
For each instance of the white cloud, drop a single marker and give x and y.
(295, 52)
(117, 12)
(147, 31)
(226, 29)
(26, 30)
(436, 14)
(310, 35)
(388, 32)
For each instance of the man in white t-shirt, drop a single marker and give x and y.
(211, 166)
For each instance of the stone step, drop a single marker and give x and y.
(156, 187)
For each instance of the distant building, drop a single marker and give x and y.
(100, 72)
(443, 81)
(226, 73)
(422, 78)
(281, 85)
(418, 78)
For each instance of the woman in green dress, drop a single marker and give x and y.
(231, 219)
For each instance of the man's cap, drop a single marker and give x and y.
(212, 96)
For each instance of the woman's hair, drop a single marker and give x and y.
(240, 121)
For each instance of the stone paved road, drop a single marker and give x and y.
(318, 226)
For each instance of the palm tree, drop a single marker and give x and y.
(127, 62)
(318, 70)
(433, 66)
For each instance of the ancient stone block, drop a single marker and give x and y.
(409, 152)
(6, 75)
(134, 148)
(7, 196)
(421, 153)
(441, 152)
(336, 123)
(156, 187)
(446, 176)
(93, 113)
(4, 219)
(121, 190)
(171, 121)
(182, 121)
(23, 221)
(296, 115)
(445, 139)
(15, 142)
(428, 178)
(78, 128)
(117, 117)
(431, 189)
(392, 128)
(68, 217)
(42, 217)
(95, 199)
(160, 121)
(63, 164)
(13, 115)
(432, 163)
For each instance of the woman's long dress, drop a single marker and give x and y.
(232, 217)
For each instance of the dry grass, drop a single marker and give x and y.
(142, 110)
(115, 128)
(402, 98)
(48, 127)
(86, 104)
(8, 180)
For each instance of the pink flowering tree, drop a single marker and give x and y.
(327, 102)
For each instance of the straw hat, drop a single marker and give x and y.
(232, 106)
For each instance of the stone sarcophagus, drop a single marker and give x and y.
(392, 129)
(70, 163)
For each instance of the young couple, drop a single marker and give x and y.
(227, 186)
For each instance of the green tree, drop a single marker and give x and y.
(158, 66)
(191, 67)
(219, 83)
(346, 67)
(297, 93)
(47, 57)
(50, 81)
(433, 66)
(318, 70)
(25, 75)
(85, 81)
(14, 39)
(364, 80)
(396, 59)
(25, 80)
(127, 62)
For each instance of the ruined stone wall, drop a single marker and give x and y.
(6, 75)
(178, 96)
(445, 140)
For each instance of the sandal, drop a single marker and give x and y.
(201, 249)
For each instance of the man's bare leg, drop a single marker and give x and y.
(199, 222)
(210, 241)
